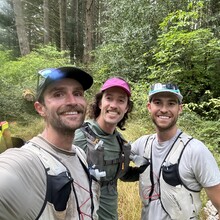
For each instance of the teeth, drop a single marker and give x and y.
(112, 112)
(164, 117)
(70, 113)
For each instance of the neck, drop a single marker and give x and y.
(165, 135)
(105, 126)
(59, 140)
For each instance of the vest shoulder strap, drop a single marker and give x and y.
(178, 147)
(176, 150)
(147, 147)
(89, 133)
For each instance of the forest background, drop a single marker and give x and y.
(143, 41)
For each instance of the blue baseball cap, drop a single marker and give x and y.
(169, 87)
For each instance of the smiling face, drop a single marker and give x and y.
(164, 109)
(64, 106)
(113, 106)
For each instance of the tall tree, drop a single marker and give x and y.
(46, 22)
(88, 31)
(62, 13)
(20, 26)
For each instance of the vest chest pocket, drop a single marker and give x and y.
(95, 154)
(58, 190)
(171, 175)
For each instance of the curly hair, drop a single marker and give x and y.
(94, 110)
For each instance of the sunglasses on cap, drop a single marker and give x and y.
(160, 86)
(168, 87)
(45, 73)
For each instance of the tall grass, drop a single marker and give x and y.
(129, 203)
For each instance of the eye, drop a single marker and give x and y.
(78, 93)
(58, 94)
(156, 102)
(108, 98)
(122, 100)
(172, 103)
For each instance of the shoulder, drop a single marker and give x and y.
(19, 157)
(21, 169)
(81, 154)
(197, 147)
(200, 157)
(139, 145)
(141, 139)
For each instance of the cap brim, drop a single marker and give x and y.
(180, 97)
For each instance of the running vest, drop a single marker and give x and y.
(59, 182)
(177, 200)
(95, 154)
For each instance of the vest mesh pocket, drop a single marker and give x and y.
(59, 188)
(171, 175)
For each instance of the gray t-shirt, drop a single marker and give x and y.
(23, 185)
(197, 169)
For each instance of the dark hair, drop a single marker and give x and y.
(94, 110)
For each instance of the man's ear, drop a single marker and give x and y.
(100, 104)
(180, 109)
(40, 108)
(148, 105)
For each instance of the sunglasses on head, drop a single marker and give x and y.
(52, 73)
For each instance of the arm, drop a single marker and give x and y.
(214, 195)
(133, 173)
(137, 152)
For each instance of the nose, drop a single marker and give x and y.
(163, 108)
(113, 104)
(70, 98)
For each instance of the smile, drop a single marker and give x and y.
(71, 113)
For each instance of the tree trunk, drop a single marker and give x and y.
(46, 22)
(20, 27)
(62, 12)
(78, 10)
(89, 31)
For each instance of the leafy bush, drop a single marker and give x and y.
(21, 75)
(208, 109)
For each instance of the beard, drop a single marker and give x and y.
(167, 127)
(67, 124)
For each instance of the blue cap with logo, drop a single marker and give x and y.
(169, 87)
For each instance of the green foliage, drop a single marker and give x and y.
(209, 110)
(21, 75)
(206, 131)
(5, 56)
(129, 31)
(186, 55)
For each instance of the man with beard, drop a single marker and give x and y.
(180, 165)
(47, 178)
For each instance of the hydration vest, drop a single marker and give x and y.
(177, 200)
(59, 181)
(95, 154)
